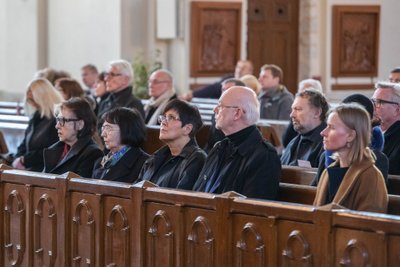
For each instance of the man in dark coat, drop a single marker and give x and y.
(308, 117)
(387, 108)
(243, 162)
(118, 79)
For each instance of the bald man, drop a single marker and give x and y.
(243, 162)
(161, 91)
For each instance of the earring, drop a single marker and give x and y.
(348, 144)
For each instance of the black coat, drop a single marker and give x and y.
(174, 172)
(123, 98)
(127, 168)
(40, 134)
(313, 148)
(392, 147)
(80, 159)
(253, 168)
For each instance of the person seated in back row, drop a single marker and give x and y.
(275, 99)
(75, 151)
(177, 164)
(243, 161)
(123, 132)
(352, 181)
(308, 118)
(161, 91)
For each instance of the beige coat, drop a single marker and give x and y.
(363, 188)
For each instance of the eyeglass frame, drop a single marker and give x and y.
(112, 75)
(108, 129)
(379, 102)
(167, 119)
(61, 120)
(219, 107)
(155, 81)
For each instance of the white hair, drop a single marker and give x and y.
(124, 67)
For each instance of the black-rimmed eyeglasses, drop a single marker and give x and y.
(379, 102)
(62, 120)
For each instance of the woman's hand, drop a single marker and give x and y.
(18, 163)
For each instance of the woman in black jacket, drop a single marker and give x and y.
(75, 151)
(123, 132)
(40, 99)
(178, 164)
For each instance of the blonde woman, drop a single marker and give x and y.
(352, 181)
(40, 99)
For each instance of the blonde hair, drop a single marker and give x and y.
(45, 96)
(356, 118)
(252, 82)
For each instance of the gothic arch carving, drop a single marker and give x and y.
(201, 226)
(249, 232)
(287, 254)
(13, 197)
(38, 219)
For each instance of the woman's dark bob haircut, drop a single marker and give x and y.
(187, 113)
(131, 124)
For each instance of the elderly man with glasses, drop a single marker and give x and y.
(243, 161)
(386, 99)
(118, 78)
(161, 91)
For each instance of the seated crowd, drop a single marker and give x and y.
(99, 132)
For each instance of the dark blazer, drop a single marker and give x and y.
(123, 98)
(174, 172)
(80, 159)
(312, 148)
(253, 168)
(41, 133)
(392, 147)
(127, 168)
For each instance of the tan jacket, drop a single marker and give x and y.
(363, 188)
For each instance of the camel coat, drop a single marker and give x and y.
(363, 188)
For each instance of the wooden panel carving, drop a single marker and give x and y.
(358, 248)
(355, 41)
(251, 246)
(44, 204)
(215, 36)
(161, 237)
(117, 229)
(288, 254)
(14, 217)
(201, 243)
(82, 220)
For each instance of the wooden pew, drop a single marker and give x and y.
(304, 176)
(70, 221)
(297, 175)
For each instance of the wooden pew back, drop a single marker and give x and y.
(69, 221)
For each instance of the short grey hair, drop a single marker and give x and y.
(251, 108)
(124, 67)
(395, 87)
(310, 84)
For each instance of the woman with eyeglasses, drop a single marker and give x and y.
(123, 133)
(75, 151)
(179, 162)
(40, 99)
